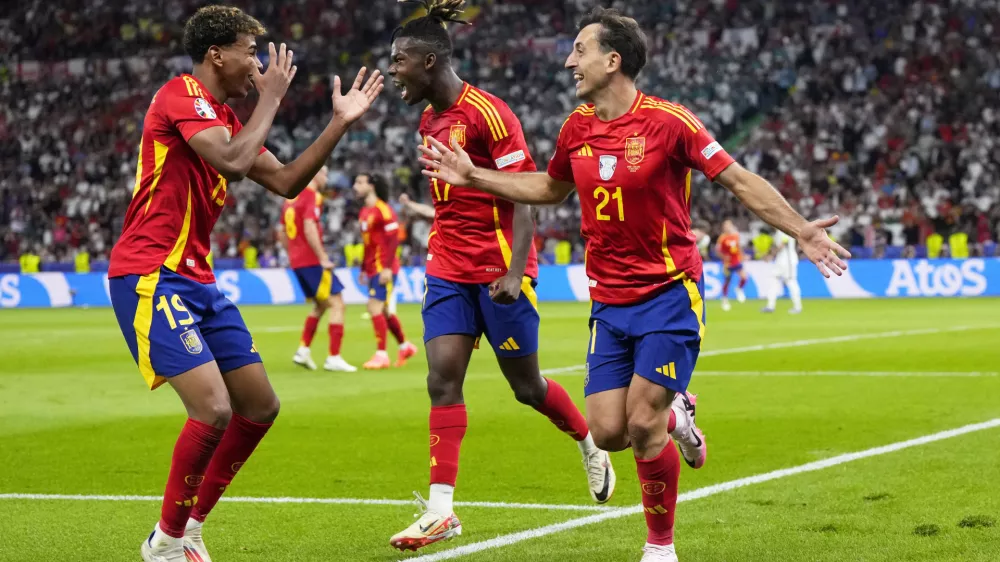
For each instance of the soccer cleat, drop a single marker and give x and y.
(658, 553)
(429, 528)
(725, 305)
(160, 547)
(795, 311)
(194, 546)
(690, 440)
(377, 362)
(406, 350)
(767, 310)
(600, 475)
(337, 363)
(303, 358)
(741, 297)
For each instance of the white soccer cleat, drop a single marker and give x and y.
(303, 358)
(337, 363)
(160, 547)
(658, 553)
(795, 311)
(741, 297)
(600, 475)
(430, 528)
(690, 440)
(194, 546)
(725, 305)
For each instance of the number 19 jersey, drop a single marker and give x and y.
(633, 177)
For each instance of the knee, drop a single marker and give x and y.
(646, 430)
(215, 412)
(608, 436)
(530, 393)
(443, 387)
(266, 412)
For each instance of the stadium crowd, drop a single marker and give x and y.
(882, 112)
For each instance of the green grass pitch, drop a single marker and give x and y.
(846, 376)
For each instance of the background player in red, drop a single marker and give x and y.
(302, 237)
(477, 281)
(178, 325)
(380, 235)
(630, 157)
(728, 247)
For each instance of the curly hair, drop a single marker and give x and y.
(431, 29)
(217, 25)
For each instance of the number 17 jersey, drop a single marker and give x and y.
(633, 177)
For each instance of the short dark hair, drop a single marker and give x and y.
(621, 34)
(381, 186)
(430, 29)
(217, 25)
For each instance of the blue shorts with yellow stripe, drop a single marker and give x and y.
(173, 324)
(318, 283)
(658, 339)
(378, 291)
(466, 308)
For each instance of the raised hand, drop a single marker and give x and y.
(450, 165)
(351, 106)
(820, 249)
(280, 71)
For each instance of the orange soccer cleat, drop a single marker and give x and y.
(378, 362)
(406, 350)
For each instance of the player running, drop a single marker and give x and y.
(178, 326)
(630, 156)
(728, 247)
(303, 239)
(380, 234)
(786, 272)
(481, 270)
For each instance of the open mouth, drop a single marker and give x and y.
(579, 78)
(402, 88)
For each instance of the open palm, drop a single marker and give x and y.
(450, 165)
(820, 249)
(351, 106)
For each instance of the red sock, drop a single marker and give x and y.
(336, 336)
(378, 321)
(396, 328)
(743, 282)
(309, 331)
(447, 425)
(239, 441)
(659, 493)
(725, 287)
(561, 411)
(192, 454)
(672, 424)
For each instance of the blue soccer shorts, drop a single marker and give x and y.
(378, 291)
(466, 308)
(173, 324)
(318, 283)
(728, 270)
(658, 340)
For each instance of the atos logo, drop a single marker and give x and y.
(925, 279)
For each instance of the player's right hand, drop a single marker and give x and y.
(450, 165)
(280, 71)
(405, 200)
(325, 263)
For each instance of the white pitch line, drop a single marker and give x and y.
(846, 374)
(334, 501)
(800, 343)
(507, 540)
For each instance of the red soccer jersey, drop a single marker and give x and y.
(294, 214)
(633, 176)
(177, 196)
(380, 234)
(472, 235)
(729, 249)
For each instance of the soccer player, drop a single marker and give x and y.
(630, 156)
(177, 324)
(380, 234)
(481, 270)
(786, 266)
(303, 239)
(729, 249)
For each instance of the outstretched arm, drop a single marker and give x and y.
(453, 165)
(765, 202)
(421, 210)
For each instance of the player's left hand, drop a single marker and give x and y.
(385, 277)
(506, 290)
(450, 165)
(351, 106)
(820, 249)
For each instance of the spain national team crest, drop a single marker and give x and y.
(635, 151)
(457, 134)
(192, 342)
(607, 165)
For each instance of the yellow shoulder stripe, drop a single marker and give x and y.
(638, 102)
(489, 112)
(384, 209)
(683, 118)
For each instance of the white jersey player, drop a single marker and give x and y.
(785, 267)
